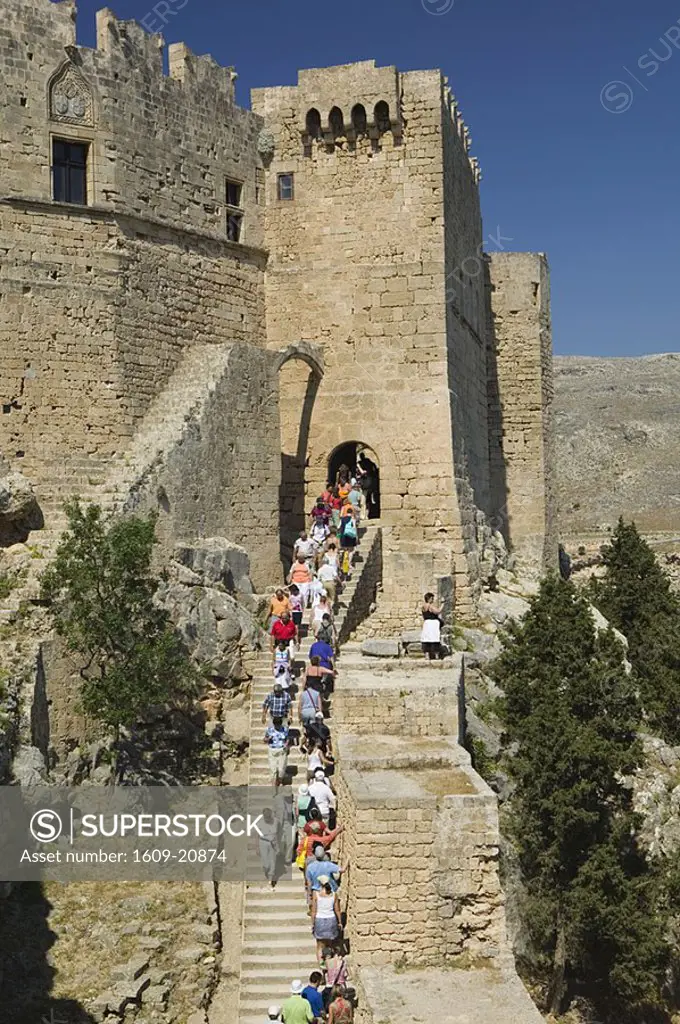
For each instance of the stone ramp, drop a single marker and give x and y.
(277, 942)
(110, 482)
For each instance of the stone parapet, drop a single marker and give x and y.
(483, 994)
(422, 842)
(405, 699)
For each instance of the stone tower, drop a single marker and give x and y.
(374, 232)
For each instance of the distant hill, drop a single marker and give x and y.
(617, 427)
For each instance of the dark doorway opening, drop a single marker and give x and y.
(356, 456)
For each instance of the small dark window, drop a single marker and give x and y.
(234, 226)
(286, 185)
(382, 116)
(336, 121)
(69, 171)
(234, 189)
(359, 119)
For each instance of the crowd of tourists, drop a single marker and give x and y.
(296, 712)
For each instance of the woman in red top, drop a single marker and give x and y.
(335, 505)
(339, 1009)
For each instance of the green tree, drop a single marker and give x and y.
(570, 713)
(636, 597)
(102, 595)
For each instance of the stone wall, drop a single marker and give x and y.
(217, 472)
(523, 412)
(99, 302)
(482, 994)
(424, 703)
(422, 842)
(83, 353)
(162, 146)
(368, 585)
(465, 298)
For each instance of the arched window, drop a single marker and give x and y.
(359, 120)
(336, 121)
(313, 123)
(382, 116)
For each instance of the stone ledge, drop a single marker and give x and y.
(110, 214)
(483, 994)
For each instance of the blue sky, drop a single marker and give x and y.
(594, 188)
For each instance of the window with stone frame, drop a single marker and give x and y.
(233, 196)
(69, 171)
(286, 186)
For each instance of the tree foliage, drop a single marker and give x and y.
(570, 713)
(101, 590)
(637, 599)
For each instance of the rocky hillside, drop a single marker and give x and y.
(618, 442)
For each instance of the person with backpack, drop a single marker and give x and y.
(349, 536)
(305, 805)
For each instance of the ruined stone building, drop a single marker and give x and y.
(206, 308)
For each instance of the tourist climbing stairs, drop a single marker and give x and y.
(278, 945)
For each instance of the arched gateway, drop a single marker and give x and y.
(362, 463)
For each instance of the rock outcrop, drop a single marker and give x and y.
(19, 511)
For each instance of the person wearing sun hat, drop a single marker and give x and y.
(303, 804)
(324, 797)
(273, 1013)
(296, 1009)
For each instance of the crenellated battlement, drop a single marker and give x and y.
(461, 128)
(156, 144)
(137, 44)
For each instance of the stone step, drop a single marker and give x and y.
(278, 975)
(262, 911)
(298, 921)
(274, 940)
(265, 934)
(259, 986)
(277, 961)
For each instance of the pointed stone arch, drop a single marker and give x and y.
(304, 350)
(298, 388)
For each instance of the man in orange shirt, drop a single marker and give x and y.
(277, 606)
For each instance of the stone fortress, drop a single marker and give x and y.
(291, 278)
(204, 307)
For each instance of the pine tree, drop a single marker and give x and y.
(637, 599)
(102, 596)
(570, 713)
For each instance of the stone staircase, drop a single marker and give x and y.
(277, 942)
(111, 482)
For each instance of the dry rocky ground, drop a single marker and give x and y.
(617, 427)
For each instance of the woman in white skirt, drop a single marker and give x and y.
(430, 636)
